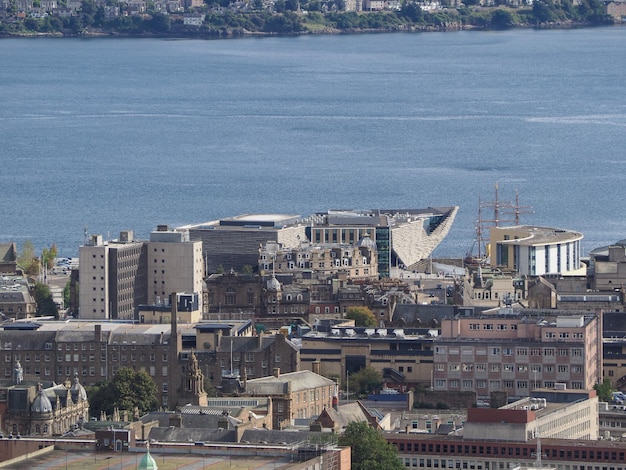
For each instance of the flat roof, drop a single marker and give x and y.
(539, 235)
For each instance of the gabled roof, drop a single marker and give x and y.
(250, 343)
(302, 380)
(344, 415)
(8, 253)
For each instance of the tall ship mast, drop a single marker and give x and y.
(504, 213)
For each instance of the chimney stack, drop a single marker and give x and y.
(276, 372)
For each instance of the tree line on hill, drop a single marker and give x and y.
(314, 16)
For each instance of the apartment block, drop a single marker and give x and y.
(518, 351)
(175, 264)
(117, 276)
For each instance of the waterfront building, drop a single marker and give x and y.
(516, 351)
(534, 251)
(232, 243)
(402, 236)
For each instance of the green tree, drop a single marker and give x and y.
(128, 390)
(362, 316)
(543, 11)
(48, 255)
(369, 449)
(246, 269)
(501, 19)
(160, 23)
(45, 302)
(604, 390)
(26, 259)
(66, 294)
(412, 11)
(366, 380)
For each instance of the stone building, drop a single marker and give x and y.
(37, 410)
(251, 357)
(358, 261)
(296, 395)
(8, 258)
(16, 301)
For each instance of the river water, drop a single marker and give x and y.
(103, 135)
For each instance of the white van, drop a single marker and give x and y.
(60, 270)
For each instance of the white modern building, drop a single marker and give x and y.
(535, 251)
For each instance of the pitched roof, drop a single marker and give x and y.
(271, 385)
(8, 253)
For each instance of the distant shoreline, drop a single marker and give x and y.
(99, 33)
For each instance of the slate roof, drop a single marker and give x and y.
(268, 436)
(18, 340)
(248, 343)
(172, 434)
(346, 414)
(271, 385)
(7, 253)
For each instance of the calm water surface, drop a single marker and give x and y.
(108, 135)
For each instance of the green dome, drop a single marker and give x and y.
(147, 462)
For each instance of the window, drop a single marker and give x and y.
(494, 351)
